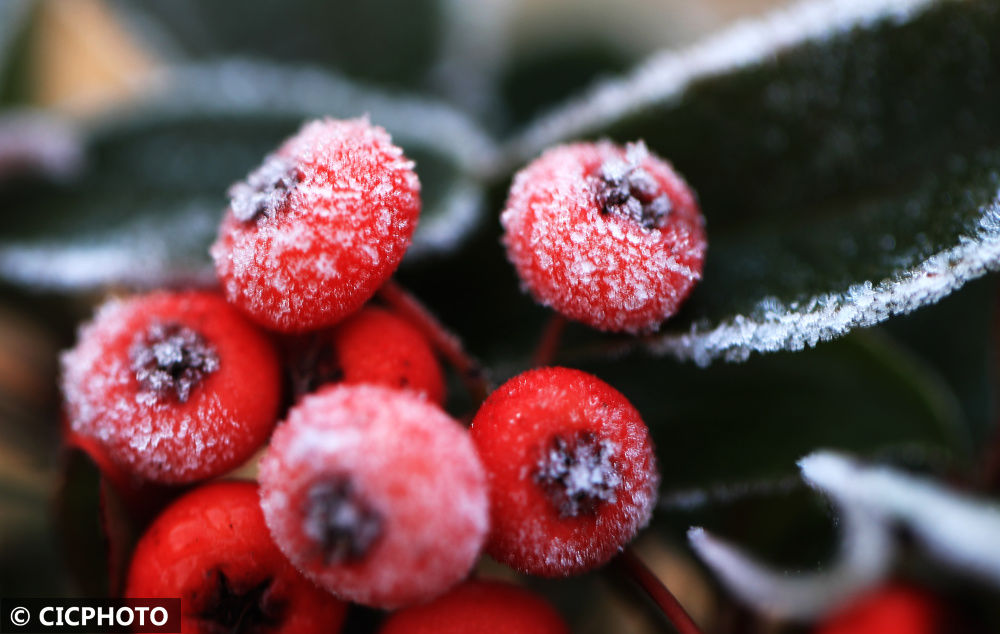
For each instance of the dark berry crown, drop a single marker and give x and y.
(340, 521)
(265, 190)
(624, 188)
(170, 358)
(578, 473)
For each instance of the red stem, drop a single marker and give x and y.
(651, 584)
(443, 340)
(548, 343)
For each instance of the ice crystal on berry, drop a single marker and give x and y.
(578, 473)
(342, 524)
(266, 189)
(171, 358)
(625, 189)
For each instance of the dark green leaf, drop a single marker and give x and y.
(394, 41)
(737, 425)
(146, 207)
(846, 157)
(539, 79)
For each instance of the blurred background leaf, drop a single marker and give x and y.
(17, 17)
(387, 41)
(145, 208)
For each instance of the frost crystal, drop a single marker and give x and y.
(578, 473)
(342, 524)
(624, 188)
(172, 358)
(266, 189)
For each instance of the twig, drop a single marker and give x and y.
(651, 584)
(548, 343)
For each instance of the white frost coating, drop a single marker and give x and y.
(141, 253)
(957, 529)
(866, 554)
(665, 76)
(830, 315)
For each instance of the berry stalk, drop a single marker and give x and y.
(443, 340)
(548, 343)
(651, 584)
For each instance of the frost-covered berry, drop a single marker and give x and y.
(372, 346)
(479, 607)
(212, 549)
(893, 609)
(313, 232)
(608, 236)
(375, 494)
(173, 387)
(571, 471)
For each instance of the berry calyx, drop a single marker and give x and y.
(578, 472)
(172, 387)
(624, 188)
(212, 549)
(372, 346)
(267, 189)
(340, 521)
(479, 607)
(893, 609)
(571, 471)
(313, 232)
(375, 494)
(608, 236)
(172, 359)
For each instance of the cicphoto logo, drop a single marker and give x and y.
(40, 615)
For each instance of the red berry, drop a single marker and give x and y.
(318, 227)
(893, 609)
(372, 346)
(479, 607)
(376, 494)
(571, 471)
(176, 387)
(212, 549)
(608, 236)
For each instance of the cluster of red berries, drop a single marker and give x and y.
(368, 490)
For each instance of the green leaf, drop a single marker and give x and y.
(146, 207)
(847, 157)
(733, 427)
(538, 79)
(391, 41)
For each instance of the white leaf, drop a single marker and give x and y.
(866, 553)
(957, 529)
